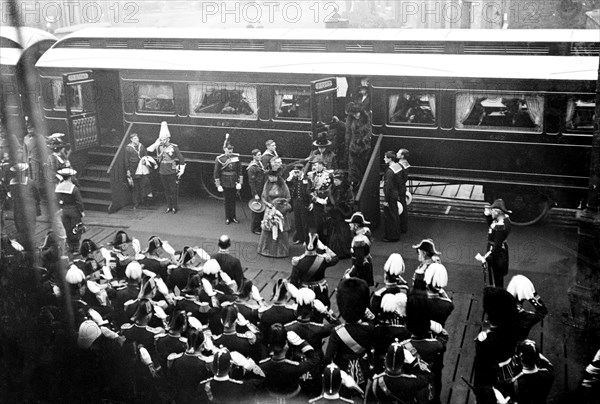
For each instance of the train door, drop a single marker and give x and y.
(323, 96)
(82, 113)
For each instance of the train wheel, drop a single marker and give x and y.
(527, 209)
(208, 184)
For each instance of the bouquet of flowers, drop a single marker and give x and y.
(272, 221)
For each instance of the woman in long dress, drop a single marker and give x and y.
(274, 237)
(340, 204)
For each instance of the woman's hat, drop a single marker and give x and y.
(19, 167)
(354, 108)
(66, 172)
(357, 218)
(256, 206)
(322, 140)
(427, 246)
(499, 204)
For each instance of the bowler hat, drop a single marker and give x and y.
(499, 204)
(428, 246)
(357, 218)
(256, 206)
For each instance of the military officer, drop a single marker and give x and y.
(256, 180)
(71, 203)
(228, 178)
(322, 145)
(168, 156)
(321, 182)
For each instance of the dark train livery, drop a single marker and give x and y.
(511, 110)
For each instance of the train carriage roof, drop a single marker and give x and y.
(347, 34)
(339, 64)
(14, 41)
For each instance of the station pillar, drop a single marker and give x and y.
(584, 291)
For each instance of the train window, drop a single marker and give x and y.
(215, 100)
(412, 108)
(580, 114)
(292, 102)
(505, 111)
(58, 96)
(155, 98)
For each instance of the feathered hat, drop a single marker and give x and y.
(391, 303)
(499, 204)
(133, 270)
(521, 288)
(358, 218)
(229, 316)
(312, 243)
(74, 275)
(226, 143)
(164, 131)
(394, 265)
(436, 275)
(353, 299)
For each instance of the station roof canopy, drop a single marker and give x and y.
(336, 64)
(347, 34)
(14, 41)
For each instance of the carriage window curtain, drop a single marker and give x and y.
(464, 106)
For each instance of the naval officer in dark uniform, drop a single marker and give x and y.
(228, 178)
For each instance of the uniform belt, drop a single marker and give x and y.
(322, 282)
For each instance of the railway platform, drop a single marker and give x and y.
(546, 254)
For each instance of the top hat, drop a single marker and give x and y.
(357, 218)
(256, 206)
(66, 172)
(499, 204)
(322, 140)
(427, 246)
(19, 167)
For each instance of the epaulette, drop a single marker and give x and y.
(291, 323)
(174, 356)
(346, 400)
(127, 326)
(154, 330)
(265, 360)
(262, 309)
(129, 302)
(183, 339)
(379, 293)
(482, 336)
(291, 362)
(236, 381)
(408, 376)
(161, 335)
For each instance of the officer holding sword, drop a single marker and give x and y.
(228, 178)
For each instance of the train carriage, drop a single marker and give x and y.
(519, 124)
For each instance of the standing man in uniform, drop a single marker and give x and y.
(26, 205)
(170, 170)
(269, 153)
(228, 178)
(256, 180)
(71, 204)
(402, 157)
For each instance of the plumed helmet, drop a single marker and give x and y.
(226, 143)
(133, 270)
(500, 306)
(221, 362)
(178, 321)
(195, 338)
(352, 298)
(74, 275)
(143, 309)
(305, 297)
(427, 246)
(89, 332)
(521, 288)
(87, 247)
(229, 316)
(392, 302)
(313, 241)
(436, 275)
(164, 131)
(394, 265)
(332, 379)
(279, 291)
(211, 267)
(394, 359)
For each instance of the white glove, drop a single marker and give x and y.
(319, 306)
(241, 320)
(220, 188)
(238, 186)
(145, 356)
(256, 294)
(208, 287)
(435, 327)
(294, 338)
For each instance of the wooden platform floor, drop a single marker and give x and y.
(468, 192)
(558, 342)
